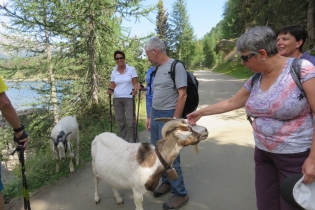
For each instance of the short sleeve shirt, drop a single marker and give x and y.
(282, 123)
(3, 86)
(164, 94)
(308, 57)
(123, 82)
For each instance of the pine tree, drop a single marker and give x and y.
(162, 26)
(183, 37)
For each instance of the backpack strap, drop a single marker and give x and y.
(295, 72)
(152, 75)
(254, 79)
(172, 72)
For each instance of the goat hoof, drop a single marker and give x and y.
(119, 201)
(97, 202)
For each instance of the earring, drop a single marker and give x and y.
(263, 59)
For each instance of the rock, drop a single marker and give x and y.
(225, 46)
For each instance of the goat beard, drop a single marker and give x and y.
(196, 148)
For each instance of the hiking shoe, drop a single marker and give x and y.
(162, 190)
(175, 202)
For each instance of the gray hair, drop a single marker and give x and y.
(155, 43)
(256, 38)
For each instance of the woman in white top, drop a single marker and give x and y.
(124, 86)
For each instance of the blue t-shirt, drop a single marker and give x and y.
(149, 93)
(308, 57)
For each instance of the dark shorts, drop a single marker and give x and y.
(270, 170)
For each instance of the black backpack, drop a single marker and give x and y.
(295, 72)
(192, 100)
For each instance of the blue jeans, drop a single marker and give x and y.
(177, 185)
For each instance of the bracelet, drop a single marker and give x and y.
(111, 89)
(19, 129)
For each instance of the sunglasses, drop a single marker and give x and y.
(120, 58)
(246, 57)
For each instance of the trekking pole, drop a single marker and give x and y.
(134, 117)
(139, 97)
(20, 149)
(110, 113)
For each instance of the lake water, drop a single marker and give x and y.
(23, 94)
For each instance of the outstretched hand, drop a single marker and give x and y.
(193, 117)
(308, 169)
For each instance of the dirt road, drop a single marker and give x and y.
(221, 177)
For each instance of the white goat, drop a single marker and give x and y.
(136, 165)
(63, 134)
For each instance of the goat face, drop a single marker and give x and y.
(60, 144)
(185, 133)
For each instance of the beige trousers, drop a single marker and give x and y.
(126, 118)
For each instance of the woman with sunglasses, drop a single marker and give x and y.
(290, 41)
(283, 125)
(124, 86)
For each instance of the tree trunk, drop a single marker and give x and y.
(311, 23)
(92, 59)
(53, 93)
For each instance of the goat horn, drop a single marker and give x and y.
(52, 138)
(65, 137)
(169, 125)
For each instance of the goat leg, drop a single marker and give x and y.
(96, 180)
(71, 164)
(77, 150)
(138, 199)
(118, 199)
(57, 164)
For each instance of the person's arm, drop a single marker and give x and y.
(235, 102)
(111, 88)
(148, 122)
(181, 100)
(9, 113)
(134, 85)
(308, 168)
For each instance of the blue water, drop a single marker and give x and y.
(24, 96)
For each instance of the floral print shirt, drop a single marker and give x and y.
(282, 123)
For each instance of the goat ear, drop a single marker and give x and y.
(164, 119)
(183, 135)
